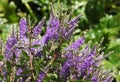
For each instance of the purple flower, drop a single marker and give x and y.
(42, 42)
(9, 45)
(72, 59)
(37, 29)
(85, 50)
(19, 71)
(53, 21)
(108, 79)
(65, 71)
(23, 28)
(72, 23)
(41, 77)
(67, 66)
(87, 61)
(53, 27)
(4, 74)
(85, 65)
(52, 16)
(38, 54)
(17, 54)
(51, 32)
(95, 78)
(75, 45)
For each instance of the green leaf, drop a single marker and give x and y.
(35, 46)
(1, 77)
(25, 55)
(9, 66)
(26, 72)
(52, 75)
(1, 57)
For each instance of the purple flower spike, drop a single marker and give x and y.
(72, 23)
(23, 28)
(76, 44)
(52, 16)
(37, 30)
(41, 77)
(85, 51)
(55, 22)
(42, 42)
(10, 43)
(53, 26)
(65, 71)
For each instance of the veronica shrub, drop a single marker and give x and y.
(30, 56)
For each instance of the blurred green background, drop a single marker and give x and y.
(101, 18)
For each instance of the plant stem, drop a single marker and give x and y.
(31, 61)
(51, 62)
(12, 76)
(30, 41)
(54, 57)
(31, 55)
(0, 47)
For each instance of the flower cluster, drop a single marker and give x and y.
(31, 57)
(86, 64)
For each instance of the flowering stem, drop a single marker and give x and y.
(31, 59)
(31, 56)
(53, 59)
(0, 47)
(29, 33)
(47, 68)
(72, 79)
(12, 76)
(51, 62)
